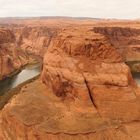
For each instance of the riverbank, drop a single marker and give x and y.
(6, 97)
(12, 84)
(21, 68)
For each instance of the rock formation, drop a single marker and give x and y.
(85, 92)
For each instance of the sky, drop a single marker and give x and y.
(120, 9)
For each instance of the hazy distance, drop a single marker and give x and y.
(120, 9)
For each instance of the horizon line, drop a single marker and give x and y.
(75, 17)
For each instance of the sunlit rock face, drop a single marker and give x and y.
(11, 57)
(85, 92)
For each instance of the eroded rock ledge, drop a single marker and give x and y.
(86, 91)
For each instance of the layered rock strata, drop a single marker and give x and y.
(11, 56)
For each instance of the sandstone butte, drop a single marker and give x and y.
(85, 91)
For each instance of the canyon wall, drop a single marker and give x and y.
(11, 56)
(125, 39)
(35, 40)
(86, 91)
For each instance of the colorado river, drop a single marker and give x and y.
(26, 74)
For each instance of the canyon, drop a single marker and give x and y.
(85, 90)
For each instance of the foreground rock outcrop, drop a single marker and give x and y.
(86, 91)
(36, 113)
(92, 70)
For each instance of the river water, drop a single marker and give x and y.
(27, 73)
(136, 77)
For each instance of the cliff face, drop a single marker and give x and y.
(127, 40)
(88, 92)
(11, 57)
(35, 40)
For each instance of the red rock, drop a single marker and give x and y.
(87, 92)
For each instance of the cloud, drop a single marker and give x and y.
(79, 8)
